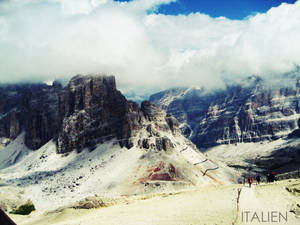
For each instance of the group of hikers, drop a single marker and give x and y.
(270, 178)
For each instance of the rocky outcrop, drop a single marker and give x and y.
(295, 133)
(31, 108)
(88, 111)
(42, 124)
(92, 111)
(251, 111)
(163, 172)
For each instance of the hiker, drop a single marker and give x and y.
(257, 180)
(268, 178)
(272, 177)
(250, 181)
(244, 180)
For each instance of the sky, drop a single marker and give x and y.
(148, 43)
(232, 9)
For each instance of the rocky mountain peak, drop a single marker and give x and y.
(92, 111)
(88, 111)
(101, 80)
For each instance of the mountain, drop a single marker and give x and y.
(29, 107)
(251, 125)
(252, 111)
(63, 144)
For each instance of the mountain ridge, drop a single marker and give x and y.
(249, 112)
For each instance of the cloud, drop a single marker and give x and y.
(48, 39)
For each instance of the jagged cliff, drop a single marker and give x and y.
(92, 111)
(251, 111)
(31, 108)
(88, 111)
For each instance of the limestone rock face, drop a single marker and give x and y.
(92, 111)
(151, 111)
(42, 124)
(10, 125)
(295, 133)
(87, 112)
(31, 108)
(251, 111)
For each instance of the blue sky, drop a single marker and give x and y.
(232, 9)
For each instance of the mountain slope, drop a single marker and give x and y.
(107, 146)
(250, 126)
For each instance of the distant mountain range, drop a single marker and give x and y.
(253, 110)
(251, 125)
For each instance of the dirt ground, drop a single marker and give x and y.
(209, 205)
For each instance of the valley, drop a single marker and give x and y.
(83, 153)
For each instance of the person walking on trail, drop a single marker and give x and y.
(268, 178)
(250, 181)
(272, 177)
(257, 179)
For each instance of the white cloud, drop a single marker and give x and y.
(46, 39)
